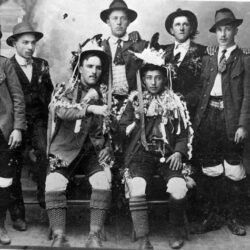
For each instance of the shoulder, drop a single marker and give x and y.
(39, 60)
(198, 48)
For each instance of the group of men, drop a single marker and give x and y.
(148, 100)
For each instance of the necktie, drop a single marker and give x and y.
(222, 63)
(118, 60)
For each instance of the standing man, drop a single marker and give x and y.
(124, 65)
(78, 141)
(33, 74)
(12, 122)
(223, 121)
(186, 56)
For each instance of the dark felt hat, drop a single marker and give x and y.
(20, 29)
(225, 17)
(179, 12)
(118, 5)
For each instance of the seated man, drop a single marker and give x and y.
(160, 147)
(78, 141)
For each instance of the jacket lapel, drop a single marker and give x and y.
(35, 72)
(20, 73)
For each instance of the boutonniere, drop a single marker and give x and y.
(222, 65)
(44, 71)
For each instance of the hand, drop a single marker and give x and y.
(240, 135)
(104, 155)
(211, 50)
(98, 110)
(15, 139)
(175, 161)
(134, 36)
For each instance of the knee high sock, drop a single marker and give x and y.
(176, 211)
(139, 213)
(56, 206)
(99, 204)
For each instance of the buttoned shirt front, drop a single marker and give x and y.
(26, 65)
(120, 83)
(181, 48)
(217, 88)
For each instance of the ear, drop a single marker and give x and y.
(171, 31)
(81, 69)
(108, 22)
(236, 31)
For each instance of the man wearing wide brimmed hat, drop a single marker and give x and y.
(118, 17)
(79, 142)
(223, 122)
(33, 74)
(186, 55)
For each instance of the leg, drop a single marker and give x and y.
(177, 189)
(139, 211)
(16, 208)
(56, 204)
(99, 204)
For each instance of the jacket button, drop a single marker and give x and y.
(202, 107)
(205, 95)
(211, 69)
(208, 83)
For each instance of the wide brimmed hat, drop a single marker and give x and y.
(179, 12)
(118, 5)
(20, 29)
(225, 17)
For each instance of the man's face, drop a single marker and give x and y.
(25, 45)
(91, 70)
(225, 35)
(154, 81)
(181, 29)
(118, 22)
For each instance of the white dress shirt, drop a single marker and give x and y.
(217, 88)
(120, 83)
(182, 48)
(26, 66)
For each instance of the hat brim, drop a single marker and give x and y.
(105, 58)
(191, 16)
(12, 38)
(226, 21)
(132, 15)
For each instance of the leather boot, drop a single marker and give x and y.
(235, 227)
(4, 237)
(177, 239)
(59, 239)
(94, 240)
(144, 243)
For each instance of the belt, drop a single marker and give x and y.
(218, 104)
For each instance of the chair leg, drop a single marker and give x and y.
(133, 235)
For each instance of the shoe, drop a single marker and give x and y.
(177, 239)
(20, 225)
(59, 239)
(235, 227)
(144, 243)
(94, 241)
(4, 237)
(210, 223)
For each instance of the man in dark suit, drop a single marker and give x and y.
(222, 122)
(124, 65)
(33, 74)
(186, 55)
(12, 122)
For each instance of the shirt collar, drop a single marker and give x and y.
(184, 45)
(22, 61)
(114, 39)
(229, 50)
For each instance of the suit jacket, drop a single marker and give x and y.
(132, 64)
(187, 81)
(177, 142)
(12, 106)
(37, 93)
(235, 90)
(64, 142)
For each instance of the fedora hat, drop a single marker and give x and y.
(20, 29)
(118, 5)
(179, 12)
(225, 17)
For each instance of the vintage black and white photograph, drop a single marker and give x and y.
(124, 124)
